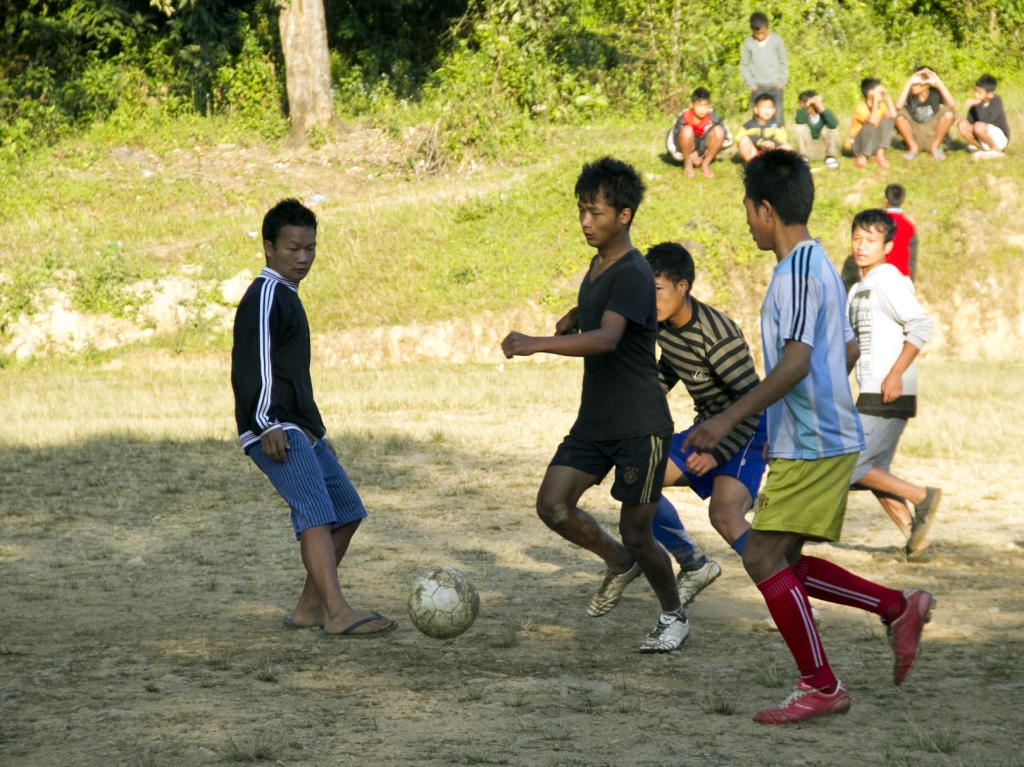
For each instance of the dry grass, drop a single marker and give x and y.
(146, 566)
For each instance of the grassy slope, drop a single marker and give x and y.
(396, 249)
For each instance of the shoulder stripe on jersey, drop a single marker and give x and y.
(801, 278)
(262, 415)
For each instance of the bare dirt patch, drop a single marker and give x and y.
(147, 565)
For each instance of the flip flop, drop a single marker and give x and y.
(909, 156)
(288, 624)
(347, 633)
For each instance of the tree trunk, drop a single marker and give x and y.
(307, 67)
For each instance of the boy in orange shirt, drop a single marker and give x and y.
(872, 124)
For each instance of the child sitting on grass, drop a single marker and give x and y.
(986, 129)
(763, 131)
(699, 134)
(872, 124)
(815, 133)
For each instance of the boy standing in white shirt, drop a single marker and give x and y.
(891, 328)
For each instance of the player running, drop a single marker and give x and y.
(814, 440)
(704, 349)
(623, 420)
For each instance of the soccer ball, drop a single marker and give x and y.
(443, 603)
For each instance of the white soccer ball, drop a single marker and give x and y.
(443, 603)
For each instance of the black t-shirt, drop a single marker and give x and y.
(923, 111)
(991, 113)
(622, 397)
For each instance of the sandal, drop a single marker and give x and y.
(347, 633)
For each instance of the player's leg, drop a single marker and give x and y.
(348, 514)
(310, 608)
(925, 499)
(669, 531)
(730, 502)
(556, 506)
(766, 558)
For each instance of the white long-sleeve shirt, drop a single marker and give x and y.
(885, 314)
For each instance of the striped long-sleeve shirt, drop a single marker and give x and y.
(712, 359)
(270, 362)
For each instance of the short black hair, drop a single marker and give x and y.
(895, 194)
(700, 94)
(922, 67)
(783, 180)
(673, 262)
(875, 218)
(868, 84)
(619, 182)
(988, 82)
(758, 20)
(763, 97)
(289, 212)
(807, 95)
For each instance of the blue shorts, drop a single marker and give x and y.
(747, 465)
(312, 483)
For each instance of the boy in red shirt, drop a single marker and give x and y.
(904, 249)
(698, 135)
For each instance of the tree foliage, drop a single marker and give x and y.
(483, 70)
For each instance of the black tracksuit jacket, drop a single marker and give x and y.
(270, 361)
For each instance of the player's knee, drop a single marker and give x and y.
(686, 132)
(754, 563)
(552, 513)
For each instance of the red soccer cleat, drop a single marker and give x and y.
(806, 703)
(905, 631)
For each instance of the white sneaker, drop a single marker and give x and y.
(610, 591)
(667, 635)
(768, 624)
(692, 582)
(832, 163)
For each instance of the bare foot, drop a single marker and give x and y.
(302, 618)
(689, 171)
(861, 161)
(881, 161)
(706, 170)
(344, 620)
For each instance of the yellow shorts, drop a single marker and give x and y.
(806, 497)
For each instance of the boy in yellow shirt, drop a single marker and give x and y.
(763, 131)
(872, 124)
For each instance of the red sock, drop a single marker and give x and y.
(787, 602)
(824, 580)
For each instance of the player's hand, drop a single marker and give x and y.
(706, 435)
(752, 90)
(275, 445)
(569, 324)
(892, 387)
(700, 464)
(330, 446)
(517, 345)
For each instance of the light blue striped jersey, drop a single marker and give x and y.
(806, 303)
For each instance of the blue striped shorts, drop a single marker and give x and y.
(312, 483)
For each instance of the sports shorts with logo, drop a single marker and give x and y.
(805, 497)
(639, 463)
(747, 465)
(312, 483)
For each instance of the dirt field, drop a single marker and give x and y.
(146, 567)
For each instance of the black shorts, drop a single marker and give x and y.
(639, 464)
(700, 143)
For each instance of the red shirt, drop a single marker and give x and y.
(699, 126)
(899, 256)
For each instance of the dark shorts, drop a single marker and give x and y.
(312, 483)
(639, 464)
(747, 465)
